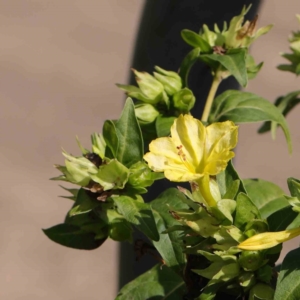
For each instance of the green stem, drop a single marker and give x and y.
(211, 96)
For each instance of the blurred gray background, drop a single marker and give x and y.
(59, 62)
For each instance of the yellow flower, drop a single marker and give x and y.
(193, 150)
(268, 240)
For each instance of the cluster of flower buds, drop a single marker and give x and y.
(294, 57)
(238, 34)
(160, 93)
(100, 174)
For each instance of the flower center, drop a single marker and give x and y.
(183, 159)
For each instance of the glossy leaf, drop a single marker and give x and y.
(230, 183)
(138, 214)
(168, 246)
(285, 104)
(267, 196)
(245, 210)
(233, 61)
(288, 283)
(187, 64)
(163, 125)
(130, 148)
(73, 236)
(243, 107)
(158, 283)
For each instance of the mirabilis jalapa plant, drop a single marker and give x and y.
(221, 237)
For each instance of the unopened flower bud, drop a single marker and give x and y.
(140, 176)
(149, 86)
(184, 100)
(146, 113)
(170, 80)
(251, 260)
(78, 169)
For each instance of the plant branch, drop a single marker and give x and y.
(211, 96)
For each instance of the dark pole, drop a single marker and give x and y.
(159, 43)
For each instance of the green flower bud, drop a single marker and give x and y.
(184, 100)
(251, 260)
(78, 170)
(243, 35)
(140, 176)
(149, 86)
(146, 113)
(98, 144)
(170, 80)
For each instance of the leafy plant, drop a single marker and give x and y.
(222, 236)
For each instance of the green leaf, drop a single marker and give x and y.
(195, 40)
(138, 214)
(245, 210)
(233, 61)
(73, 236)
(243, 107)
(158, 283)
(288, 283)
(294, 187)
(230, 183)
(111, 139)
(281, 219)
(163, 125)
(285, 104)
(131, 146)
(186, 66)
(267, 196)
(168, 246)
(83, 204)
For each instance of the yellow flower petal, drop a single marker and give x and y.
(190, 133)
(268, 240)
(220, 139)
(193, 150)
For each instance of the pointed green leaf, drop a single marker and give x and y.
(187, 64)
(195, 40)
(243, 107)
(230, 183)
(245, 210)
(163, 125)
(285, 104)
(282, 219)
(138, 214)
(168, 246)
(288, 283)
(267, 196)
(233, 61)
(131, 148)
(73, 237)
(111, 139)
(158, 283)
